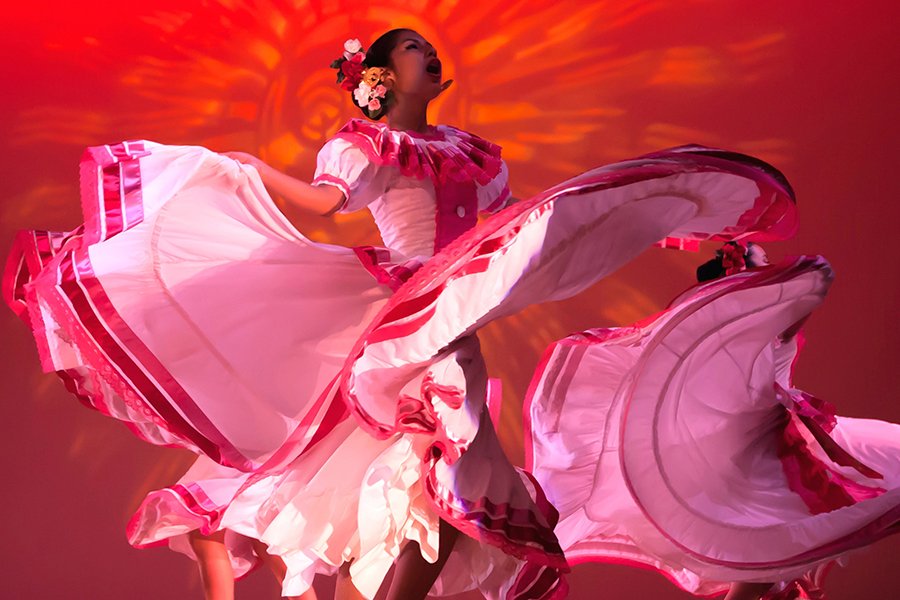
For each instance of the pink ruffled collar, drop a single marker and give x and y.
(441, 154)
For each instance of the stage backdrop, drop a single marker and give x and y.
(563, 85)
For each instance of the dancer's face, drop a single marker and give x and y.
(415, 67)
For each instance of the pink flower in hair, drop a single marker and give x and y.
(374, 104)
(351, 47)
(733, 258)
(380, 91)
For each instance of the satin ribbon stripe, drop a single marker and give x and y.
(140, 370)
(194, 502)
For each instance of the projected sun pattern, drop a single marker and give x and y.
(562, 85)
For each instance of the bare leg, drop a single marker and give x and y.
(215, 566)
(747, 591)
(413, 575)
(278, 568)
(344, 588)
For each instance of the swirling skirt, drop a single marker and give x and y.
(353, 418)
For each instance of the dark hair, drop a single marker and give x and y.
(379, 55)
(711, 269)
(715, 268)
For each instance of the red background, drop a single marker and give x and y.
(562, 85)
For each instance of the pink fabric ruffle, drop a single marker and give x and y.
(445, 154)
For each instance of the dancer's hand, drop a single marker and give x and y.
(246, 159)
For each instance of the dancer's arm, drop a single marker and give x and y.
(320, 199)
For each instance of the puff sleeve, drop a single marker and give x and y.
(343, 165)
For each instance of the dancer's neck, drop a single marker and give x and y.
(408, 116)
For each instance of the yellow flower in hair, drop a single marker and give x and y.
(373, 75)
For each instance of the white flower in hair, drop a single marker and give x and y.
(756, 256)
(362, 93)
(351, 47)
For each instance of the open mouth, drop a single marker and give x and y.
(433, 68)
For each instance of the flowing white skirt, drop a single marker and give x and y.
(189, 308)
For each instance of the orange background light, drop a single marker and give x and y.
(562, 85)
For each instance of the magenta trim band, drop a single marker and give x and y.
(332, 180)
(102, 321)
(198, 507)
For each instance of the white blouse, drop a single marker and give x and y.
(422, 190)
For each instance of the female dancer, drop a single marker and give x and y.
(694, 454)
(187, 287)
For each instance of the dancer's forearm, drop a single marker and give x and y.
(321, 200)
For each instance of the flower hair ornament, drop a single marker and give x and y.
(370, 87)
(732, 258)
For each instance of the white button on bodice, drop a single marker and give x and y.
(460, 211)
